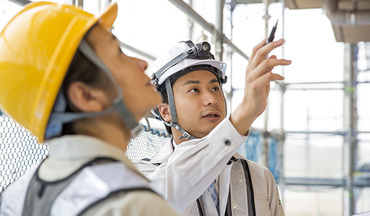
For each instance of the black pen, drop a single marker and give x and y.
(272, 34)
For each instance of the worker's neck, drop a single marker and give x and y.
(176, 137)
(110, 133)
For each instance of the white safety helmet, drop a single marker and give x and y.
(180, 60)
(184, 55)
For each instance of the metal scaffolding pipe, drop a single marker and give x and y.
(265, 142)
(350, 125)
(341, 133)
(325, 182)
(314, 83)
(282, 117)
(133, 49)
(315, 89)
(185, 8)
(190, 24)
(220, 27)
(230, 95)
(20, 2)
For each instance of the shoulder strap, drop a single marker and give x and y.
(249, 187)
(250, 194)
(41, 194)
(95, 184)
(228, 211)
(200, 207)
(113, 194)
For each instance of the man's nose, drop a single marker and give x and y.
(143, 65)
(209, 99)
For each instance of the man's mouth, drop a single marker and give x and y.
(211, 115)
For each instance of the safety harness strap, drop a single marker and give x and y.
(250, 194)
(85, 188)
(113, 194)
(249, 187)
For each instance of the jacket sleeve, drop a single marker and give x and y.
(193, 165)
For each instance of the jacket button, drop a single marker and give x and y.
(227, 142)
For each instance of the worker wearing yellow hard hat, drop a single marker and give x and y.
(65, 78)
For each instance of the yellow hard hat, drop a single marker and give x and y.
(36, 49)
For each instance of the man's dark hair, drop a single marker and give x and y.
(81, 69)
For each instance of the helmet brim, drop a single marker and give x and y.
(189, 63)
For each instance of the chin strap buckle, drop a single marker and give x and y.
(185, 135)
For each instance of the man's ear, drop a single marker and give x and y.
(164, 110)
(85, 98)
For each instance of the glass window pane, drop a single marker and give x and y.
(363, 107)
(313, 155)
(313, 201)
(315, 110)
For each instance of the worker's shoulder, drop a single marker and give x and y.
(135, 202)
(255, 167)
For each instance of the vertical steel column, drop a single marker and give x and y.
(350, 122)
(80, 3)
(220, 28)
(100, 8)
(230, 56)
(266, 16)
(265, 154)
(282, 92)
(77, 3)
(190, 24)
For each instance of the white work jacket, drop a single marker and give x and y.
(183, 173)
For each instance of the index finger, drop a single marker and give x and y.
(256, 48)
(262, 52)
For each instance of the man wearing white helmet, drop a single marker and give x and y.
(198, 171)
(65, 78)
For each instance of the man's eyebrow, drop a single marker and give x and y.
(213, 81)
(191, 82)
(198, 82)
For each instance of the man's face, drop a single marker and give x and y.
(199, 102)
(138, 93)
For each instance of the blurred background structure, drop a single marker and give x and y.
(315, 133)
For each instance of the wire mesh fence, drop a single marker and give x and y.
(20, 149)
(147, 144)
